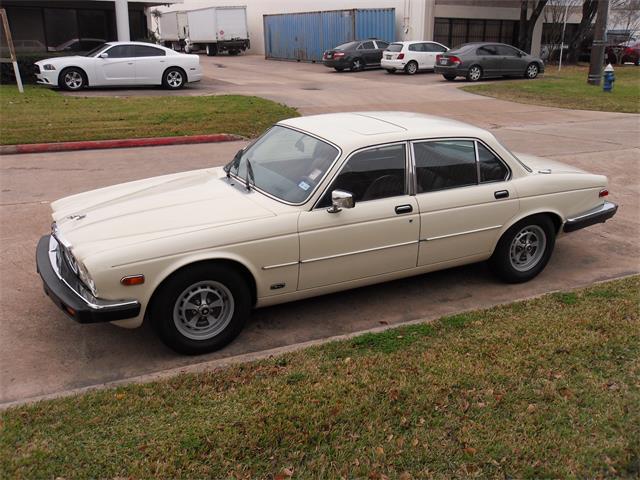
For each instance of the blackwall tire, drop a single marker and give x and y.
(201, 308)
(72, 79)
(411, 68)
(174, 78)
(524, 249)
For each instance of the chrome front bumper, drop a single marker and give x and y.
(597, 215)
(70, 295)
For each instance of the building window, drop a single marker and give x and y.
(457, 31)
(61, 27)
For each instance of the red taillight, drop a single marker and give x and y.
(338, 54)
(438, 57)
(400, 56)
(603, 193)
(454, 59)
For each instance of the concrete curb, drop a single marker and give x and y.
(221, 363)
(123, 143)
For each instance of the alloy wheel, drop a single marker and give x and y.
(203, 310)
(73, 80)
(527, 248)
(174, 79)
(475, 73)
(532, 71)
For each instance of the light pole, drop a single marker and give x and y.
(599, 41)
(564, 27)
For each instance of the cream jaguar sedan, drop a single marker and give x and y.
(316, 205)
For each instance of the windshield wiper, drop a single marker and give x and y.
(249, 174)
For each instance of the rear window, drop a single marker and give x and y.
(394, 47)
(347, 46)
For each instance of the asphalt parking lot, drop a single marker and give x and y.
(43, 352)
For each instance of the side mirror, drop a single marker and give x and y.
(341, 199)
(103, 55)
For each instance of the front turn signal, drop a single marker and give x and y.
(130, 280)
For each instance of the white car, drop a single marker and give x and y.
(411, 56)
(316, 205)
(119, 64)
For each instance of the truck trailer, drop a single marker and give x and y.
(217, 29)
(173, 29)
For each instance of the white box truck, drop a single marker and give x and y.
(217, 29)
(174, 29)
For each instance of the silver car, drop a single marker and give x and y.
(476, 61)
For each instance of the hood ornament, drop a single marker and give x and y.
(76, 217)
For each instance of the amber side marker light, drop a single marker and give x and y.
(132, 280)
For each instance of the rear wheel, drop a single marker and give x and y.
(72, 79)
(174, 78)
(201, 308)
(212, 50)
(411, 68)
(524, 250)
(475, 73)
(357, 64)
(532, 71)
(449, 77)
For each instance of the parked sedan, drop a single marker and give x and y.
(476, 61)
(411, 56)
(316, 205)
(118, 64)
(355, 56)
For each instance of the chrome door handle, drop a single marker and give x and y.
(501, 194)
(400, 209)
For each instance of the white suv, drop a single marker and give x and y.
(411, 56)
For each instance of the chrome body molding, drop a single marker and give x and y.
(76, 286)
(598, 214)
(461, 233)
(356, 252)
(279, 265)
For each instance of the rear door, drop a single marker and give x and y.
(465, 197)
(118, 68)
(150, 64)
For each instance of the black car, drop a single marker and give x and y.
(356, 55)
(482, 60)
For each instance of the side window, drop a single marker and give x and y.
(371, 174)
(506, 50)
(367, 45)
(415, 47)
(445, 164)
(120, 51)
(491, 168)
(382, 45)
(144, 51)
(487, 50)
(438, 48)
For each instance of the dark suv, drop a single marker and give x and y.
(481, 60)
(355, 55)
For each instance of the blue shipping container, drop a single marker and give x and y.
(305, 36)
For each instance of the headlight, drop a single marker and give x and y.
(83, 273)
(48, 66)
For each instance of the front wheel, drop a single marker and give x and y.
(201, 308)
(532, 71)
(174, 78)
(524, 250)
(474, 74)
(72, 79)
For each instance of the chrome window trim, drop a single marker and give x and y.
(91, 301)
(509, 172)
(306, 200)
(363, 149)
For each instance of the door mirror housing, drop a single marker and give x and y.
(103, 55)
(341, 199)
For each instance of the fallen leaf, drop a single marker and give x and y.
(415, 442)
(470, 450)
(405, 476)
(531, 408)
(379, 451)
(120, 396)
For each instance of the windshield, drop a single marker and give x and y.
(91, 53)
(286, 163)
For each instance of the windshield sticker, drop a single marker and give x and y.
(304, 185)
(315, 174)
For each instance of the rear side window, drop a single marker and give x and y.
(372, 174)
(366, 46)
(382, 44)
(487, 50)
(416, 47)
(445, 164)
(144, 51)
(507, 51)
(394, 47)
(491, 168)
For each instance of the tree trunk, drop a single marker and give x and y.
(526, 26)
(589, 10)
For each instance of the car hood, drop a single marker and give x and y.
(55, 61)
(538, 164)
(150, 209)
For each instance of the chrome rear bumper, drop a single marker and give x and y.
(597, 215)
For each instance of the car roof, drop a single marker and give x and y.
(147, 44)
(355, 130)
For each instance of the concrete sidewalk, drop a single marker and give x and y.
(41, 351)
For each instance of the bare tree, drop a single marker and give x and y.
(528, 22)
(556, 16)
(589, 10)
(624, 17)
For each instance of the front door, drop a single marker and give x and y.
(487, 58)
(379, 235)
(464, 197)
(511, 62)
(118, 68)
